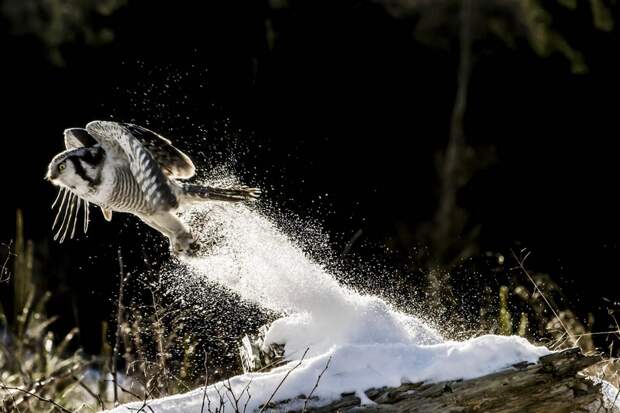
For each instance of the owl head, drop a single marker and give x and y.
(76, 169)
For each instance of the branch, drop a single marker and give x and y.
(284, 379)
(317, 383)
(119, 315)
(41, 398)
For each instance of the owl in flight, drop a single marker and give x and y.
(122, 167)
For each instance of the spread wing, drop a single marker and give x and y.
(174, 162)
(78, 138)
(118, 140)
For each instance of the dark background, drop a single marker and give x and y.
(340, 113)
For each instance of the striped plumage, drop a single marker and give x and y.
(127, 168)
(127, 195)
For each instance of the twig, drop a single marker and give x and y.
(559, 341)
(124, 390)
(229, 392)
(316, 384)
(41, 398)
(144, 404)
(39, 386)
(283, 379)
(3, 269)
(158, 327)
(522, 266)
(204, 393)
(15, 404)
(119, 315)
(247, 389)
(222, 402)
(89, 391)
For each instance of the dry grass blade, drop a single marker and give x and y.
(521, 264)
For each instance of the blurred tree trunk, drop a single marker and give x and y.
(449, 220)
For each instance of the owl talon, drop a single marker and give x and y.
(194, 247)
(188, 247)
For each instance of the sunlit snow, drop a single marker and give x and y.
(367, 343)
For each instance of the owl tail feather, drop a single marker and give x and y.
(198, 193)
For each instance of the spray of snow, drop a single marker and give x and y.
(256, 260)
(367, 342)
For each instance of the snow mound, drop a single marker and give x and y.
(356, 368)
(367, 343)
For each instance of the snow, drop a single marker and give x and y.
(359, 367)
(611, 393)
(367, 343)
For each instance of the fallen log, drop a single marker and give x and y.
(555, 384)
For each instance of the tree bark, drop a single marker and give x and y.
(553, 385)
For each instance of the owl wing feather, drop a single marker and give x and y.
(78, 138)
(174, 163)
(118, 140)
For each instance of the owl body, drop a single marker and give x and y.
(126, 168)
(124, 194)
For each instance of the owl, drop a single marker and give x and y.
(121, 167)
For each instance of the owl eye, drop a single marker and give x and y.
(61, 167)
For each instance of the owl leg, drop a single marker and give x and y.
(181, 239)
